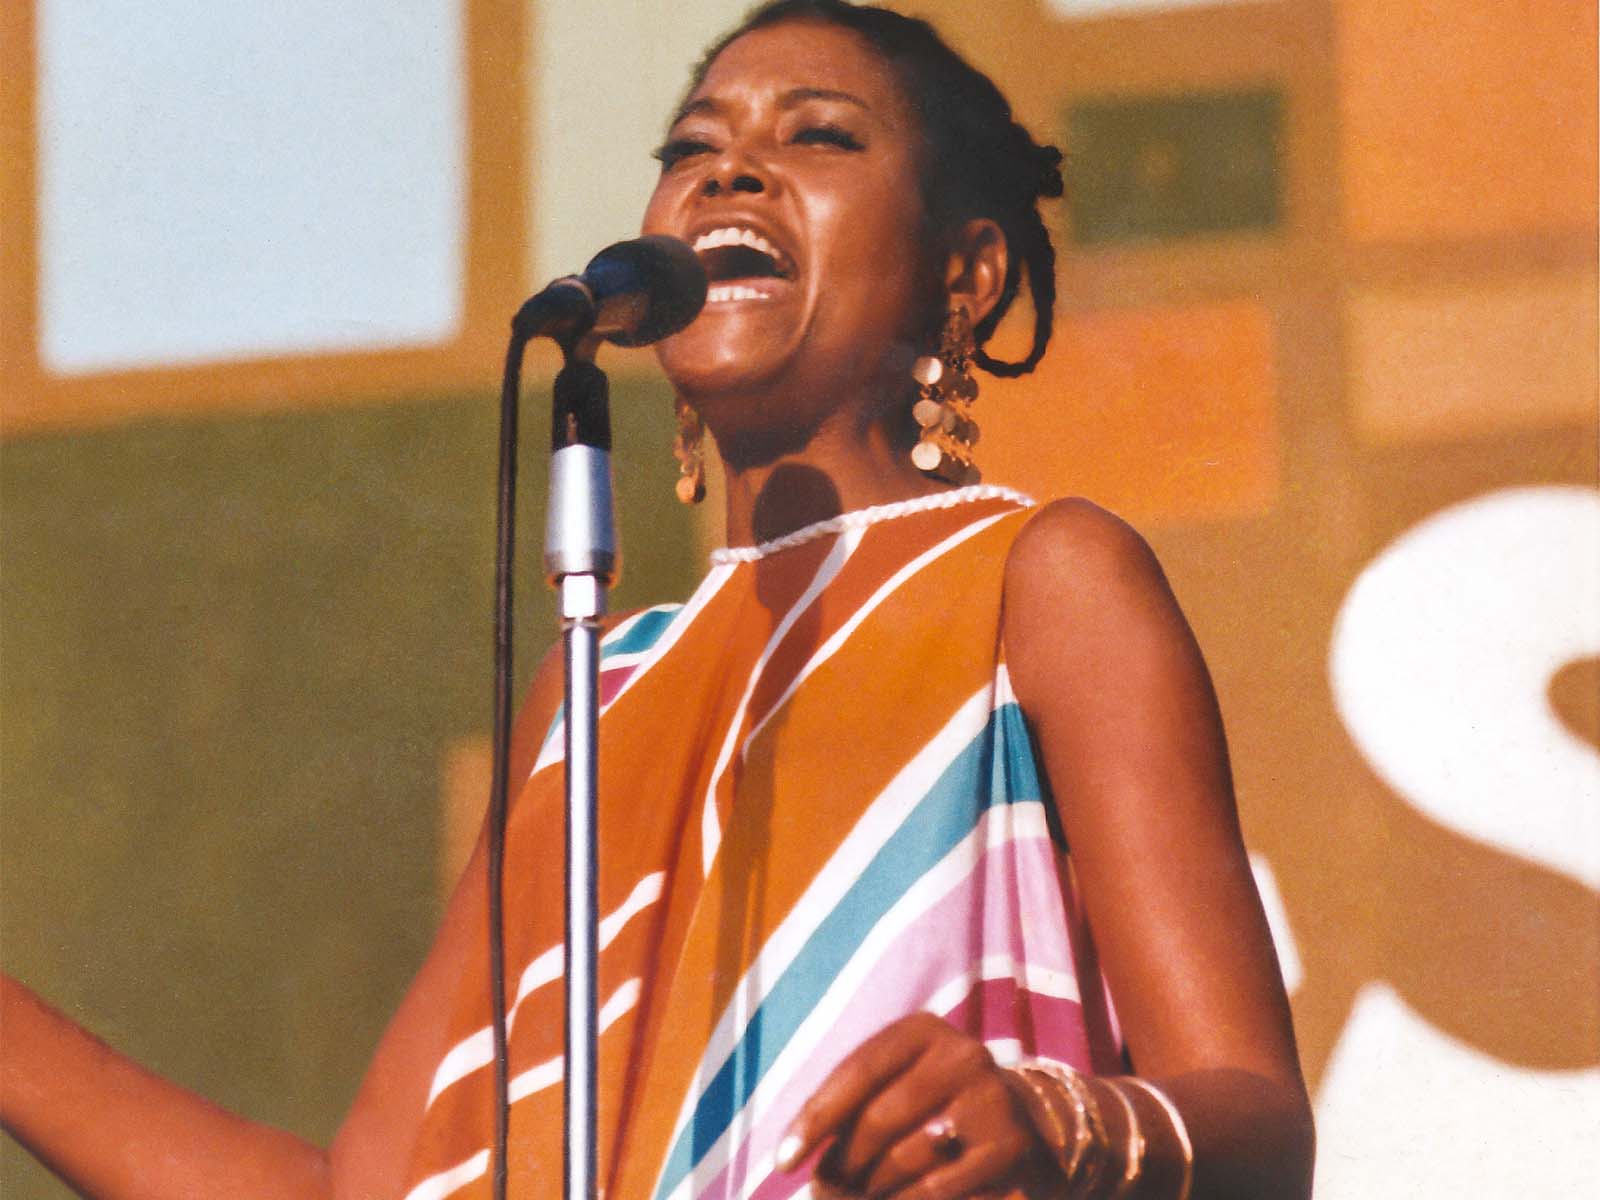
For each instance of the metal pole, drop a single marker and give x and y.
(582, 603)
(580, 558)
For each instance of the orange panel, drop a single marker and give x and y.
(1155, 413)
(1467, 118)
(1432, 363)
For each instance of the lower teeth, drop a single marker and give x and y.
(731, 291)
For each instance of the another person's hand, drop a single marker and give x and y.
(921, 1111)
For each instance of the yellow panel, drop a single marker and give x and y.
(1433, 363)
(467, 774)
(1466, 118)
(1155, 413)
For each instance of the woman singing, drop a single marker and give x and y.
(920, 872)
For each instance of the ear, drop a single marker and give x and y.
(975, 273)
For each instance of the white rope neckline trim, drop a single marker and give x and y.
(862, 517)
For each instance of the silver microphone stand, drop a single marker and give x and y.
(580, 560)
(631, 293)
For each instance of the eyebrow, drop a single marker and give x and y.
(789, 99)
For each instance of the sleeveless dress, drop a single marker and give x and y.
(820, 812)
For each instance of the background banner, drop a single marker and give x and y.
(1327, 335)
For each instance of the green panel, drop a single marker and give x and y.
(1151, 168)
(231, 655)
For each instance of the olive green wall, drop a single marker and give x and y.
(232, 652)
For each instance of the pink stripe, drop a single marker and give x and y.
(1047, 1025)
(985, 906)
(612, 679)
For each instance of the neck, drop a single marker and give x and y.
(841, 467)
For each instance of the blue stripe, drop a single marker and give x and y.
(644, 632)
(940, 820)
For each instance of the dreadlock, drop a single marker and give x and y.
(979, 161)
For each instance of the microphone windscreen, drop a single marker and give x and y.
(660, 270)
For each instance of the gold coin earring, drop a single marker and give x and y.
(943, 409)
(689, 449)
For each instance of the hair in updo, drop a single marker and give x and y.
(979, 161)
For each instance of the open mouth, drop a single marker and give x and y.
(741, 264)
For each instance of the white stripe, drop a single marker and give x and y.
(832, 645)
(1041, 980)
(876, 825)
(615, 662)
(710, 827)
(554, 748)
(477, 1051)
(535, 1079)
(1007, 1052)
(1003, 695)
(548, 1074)
(996, 827)
(436, 1187)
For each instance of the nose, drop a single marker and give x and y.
(734, 172)
(714, 185)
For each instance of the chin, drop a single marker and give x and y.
(702, 368)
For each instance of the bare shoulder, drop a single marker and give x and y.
(1076, 520)
(1075, 559)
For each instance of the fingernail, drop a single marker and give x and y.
(788, 1152)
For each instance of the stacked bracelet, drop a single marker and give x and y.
(1038, 1099)
(1092, 1130)
(1133, 1163)
(1079, 1152)
(1084, 1153)
(1179, 1129)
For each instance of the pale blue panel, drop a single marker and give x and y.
(227, 179)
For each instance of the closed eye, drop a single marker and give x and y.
(827, 135)
(678, 149)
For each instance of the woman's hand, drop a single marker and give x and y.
(920, 1111)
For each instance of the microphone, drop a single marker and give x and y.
(632, 293)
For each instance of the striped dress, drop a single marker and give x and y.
(820, 811)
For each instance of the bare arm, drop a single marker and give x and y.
(1127, 726)
(1116, 690)
(115, 1131)
(110, 1128)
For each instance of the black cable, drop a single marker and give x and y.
(510, 395)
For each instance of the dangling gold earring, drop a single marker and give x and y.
(944, 407)
(688, 449)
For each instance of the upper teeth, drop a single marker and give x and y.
(735, 236)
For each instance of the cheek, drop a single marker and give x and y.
(658, 206)
(884, 253)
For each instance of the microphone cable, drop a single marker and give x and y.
(505, 549)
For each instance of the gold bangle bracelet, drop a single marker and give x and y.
(1082, 1131)
(1081, 1167)
(1095, 1141)
(1133, 1162)
(1038, 1101)
(1179, 1129)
